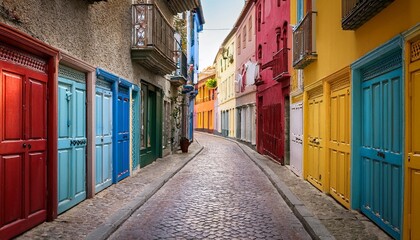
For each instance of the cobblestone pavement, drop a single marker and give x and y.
(340, 222)
(79, 221)
(221, 194)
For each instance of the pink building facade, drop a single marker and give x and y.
(272, 51)
(245, 90)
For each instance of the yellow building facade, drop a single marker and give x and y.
(204, 102)
(225, 74)
(353, 81)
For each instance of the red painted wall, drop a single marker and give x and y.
(272, 18)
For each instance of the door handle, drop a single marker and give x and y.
(24, 145)
(381, 155)
(29, 146)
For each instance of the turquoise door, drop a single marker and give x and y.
(381, 151)
(135, 130)
(71, 142)
(123, 135)
(103, 141)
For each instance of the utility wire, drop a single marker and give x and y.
(217, 29)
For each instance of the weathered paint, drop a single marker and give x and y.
(412, 158)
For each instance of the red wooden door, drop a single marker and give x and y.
(23, 147)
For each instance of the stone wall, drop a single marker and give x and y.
(99, 34)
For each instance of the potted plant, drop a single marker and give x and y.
(211, 83)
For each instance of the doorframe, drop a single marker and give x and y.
(115, 83)
(356, 113)
(89, 70)
(342, 77)
(135, 95)
(23, 41)
(408, 36)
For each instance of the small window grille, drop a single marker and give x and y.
(415, 51)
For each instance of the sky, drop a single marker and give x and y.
(218, 14)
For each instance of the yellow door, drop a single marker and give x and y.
(315, 149)
(412, 169)
(339, 146)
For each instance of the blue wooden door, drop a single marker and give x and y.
(123, 135)
(381, 151)
(103, 141)
(71, 143)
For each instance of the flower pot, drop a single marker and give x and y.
(185, 143)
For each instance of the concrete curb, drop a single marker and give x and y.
(313, 226)
(105, 230)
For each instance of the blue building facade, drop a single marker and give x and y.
(195, 22)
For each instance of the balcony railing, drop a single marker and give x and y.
(153, 39)
(357, 12)
(304, 46)
(180, 75)
(280, 63)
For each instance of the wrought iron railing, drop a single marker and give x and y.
(181, 61)
(356, 12)
(151, 29)
(304, 46)
(280, 64)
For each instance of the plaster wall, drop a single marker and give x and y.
(338, 48)
(98, 34)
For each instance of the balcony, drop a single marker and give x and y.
(280, 70)
(180, 75)
(357, 12)
(153, 39)
(304, 47)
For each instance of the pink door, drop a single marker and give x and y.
(23, 146)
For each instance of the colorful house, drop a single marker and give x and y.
(87, 119)
(225, 75)
(245, 75)
(272, 54)
(358, 67)
(204, 102)
(195, 22)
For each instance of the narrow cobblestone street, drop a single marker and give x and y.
(220, 194)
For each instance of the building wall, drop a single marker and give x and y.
(245, 96)
(226, 84)
(204, 105)
(338, 48)
(271, 94)
(329, 77)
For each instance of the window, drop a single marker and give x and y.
(259, 18)
(244, 38)
(284, 36)
(250, 28)
(221, 65)
(299, 10)
(278, 41)
(239, 44)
